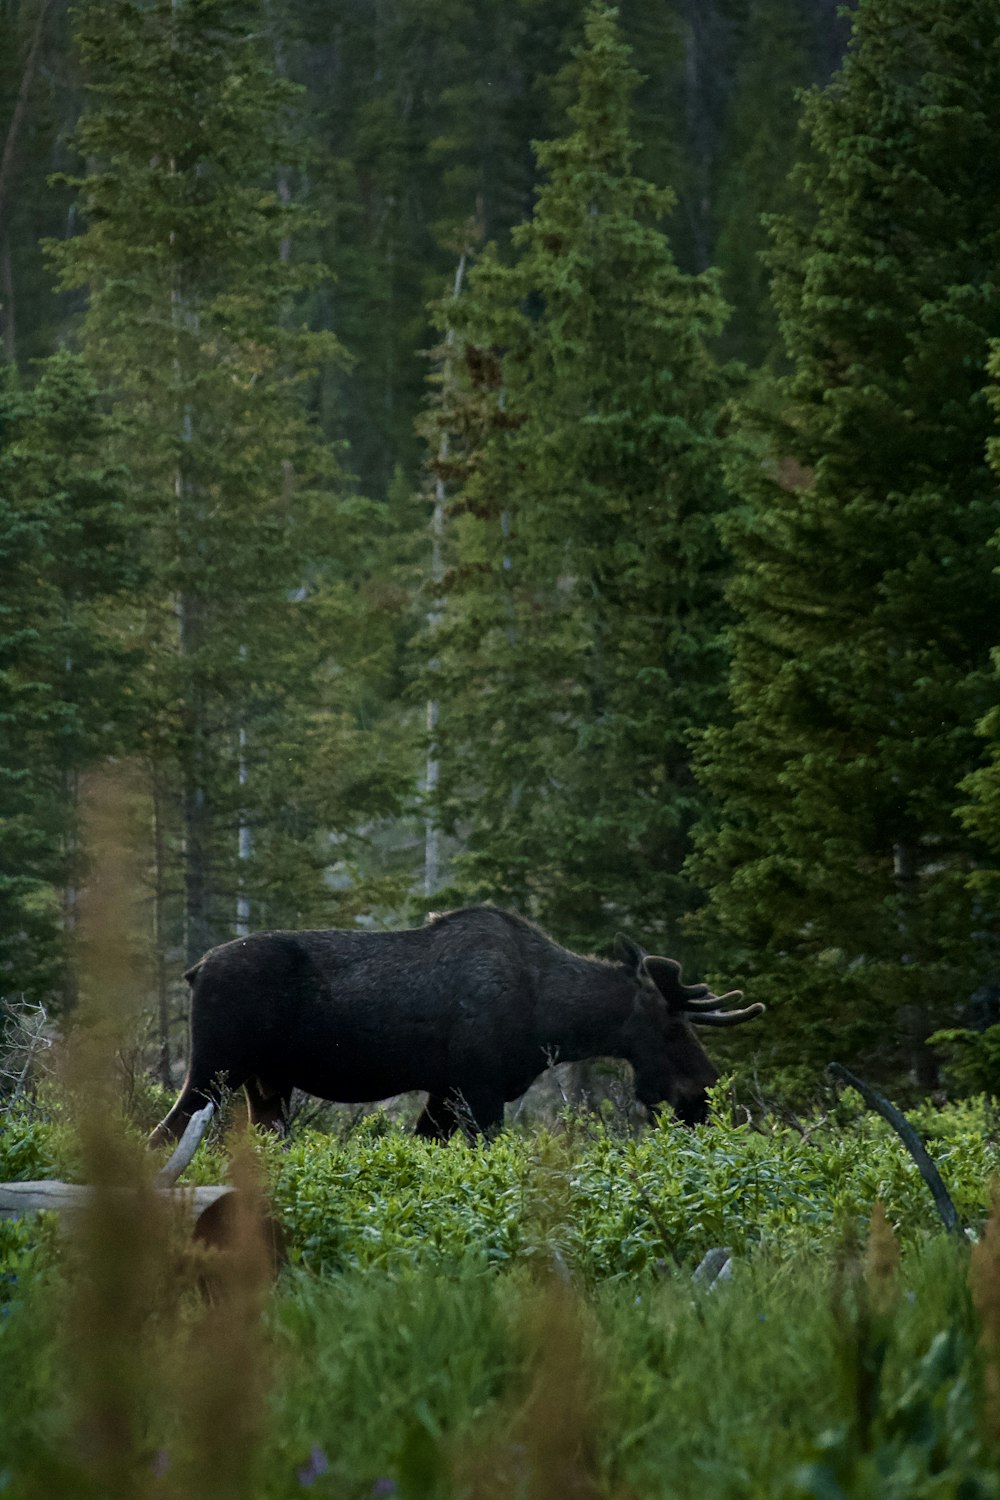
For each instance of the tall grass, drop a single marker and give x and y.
(142, 1382)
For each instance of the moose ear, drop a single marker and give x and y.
(629, 953)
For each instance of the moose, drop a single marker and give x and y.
(470, 1007)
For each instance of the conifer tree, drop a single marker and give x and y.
(67, 569)
(757, 152)
(981, 810)
(579, 640)
(254, 620)
(864, 588)
(427, 114)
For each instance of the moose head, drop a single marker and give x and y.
(671, 1066)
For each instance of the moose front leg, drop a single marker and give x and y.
(477, 1111)
(436, 1122)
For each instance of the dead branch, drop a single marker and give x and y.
(186, 1146)
(67, 1198)
(910, 1140)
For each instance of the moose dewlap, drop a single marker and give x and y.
(471, 1007)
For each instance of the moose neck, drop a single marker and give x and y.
(587, 1007)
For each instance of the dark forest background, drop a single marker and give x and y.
(537, 453)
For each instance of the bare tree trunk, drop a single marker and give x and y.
(198, 933)
(913, 1020)
(432, 850)
(8, 304)
(244, 842)
(70, 895)
(160, 927)
(20, 113)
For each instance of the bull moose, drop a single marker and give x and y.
(471, 1007)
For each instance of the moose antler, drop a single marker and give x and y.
(696, 1002)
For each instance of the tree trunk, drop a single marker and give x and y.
(7, 301)
(160, 929)
(198, 933)
(432, 848)
(20, 113)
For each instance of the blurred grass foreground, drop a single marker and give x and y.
(532, 1321)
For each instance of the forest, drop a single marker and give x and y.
(541, 456)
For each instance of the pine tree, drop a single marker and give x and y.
(194, 257)
(981, 810)
(864, 589)
(757, 152)
(426, 114)
(39, 99)
(67, 569)
(579, 638)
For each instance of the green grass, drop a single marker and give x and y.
(465, 1324)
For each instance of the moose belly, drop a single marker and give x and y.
(356, 1070)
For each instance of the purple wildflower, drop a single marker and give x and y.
(314, 1469)
(382, 1488)
(160, 1462)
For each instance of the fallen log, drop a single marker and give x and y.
(214, 1211)
(67, 1198)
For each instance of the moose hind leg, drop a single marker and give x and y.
(192, 1097)
(267, 1105)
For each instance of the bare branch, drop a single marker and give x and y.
(23, 1038)
(186, 1146)
(910, 1139)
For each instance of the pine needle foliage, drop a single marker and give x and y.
(864, 589)
(578, 643)
(981, 810)
(194, 257)
(68, 562)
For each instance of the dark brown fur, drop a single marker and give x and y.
(470, 1007)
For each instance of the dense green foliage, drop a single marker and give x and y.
(255, 211)
(567, 1336)
(68, 559)
(863, 584)
(981, 812)
(577, 643)
(192, 272)
(613, 1205)
(217, 578)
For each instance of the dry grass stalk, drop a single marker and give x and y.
(165, 1393)
(545, 1444)
(221, 1384)
(882, 1257)
(121, 1239)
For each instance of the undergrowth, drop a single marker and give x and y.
(521, 1321)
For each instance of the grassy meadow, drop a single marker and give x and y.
(526, 1320)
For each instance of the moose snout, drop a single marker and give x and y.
(692, 1109)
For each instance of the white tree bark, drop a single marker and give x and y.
(432, 846)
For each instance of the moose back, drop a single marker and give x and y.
(471, 1007)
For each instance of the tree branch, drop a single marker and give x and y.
(910, 1140)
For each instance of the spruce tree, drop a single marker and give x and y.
(194, 258)
(864, 589)
(757, 152)
(68, 568)
(578, 644)
(981, 810)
